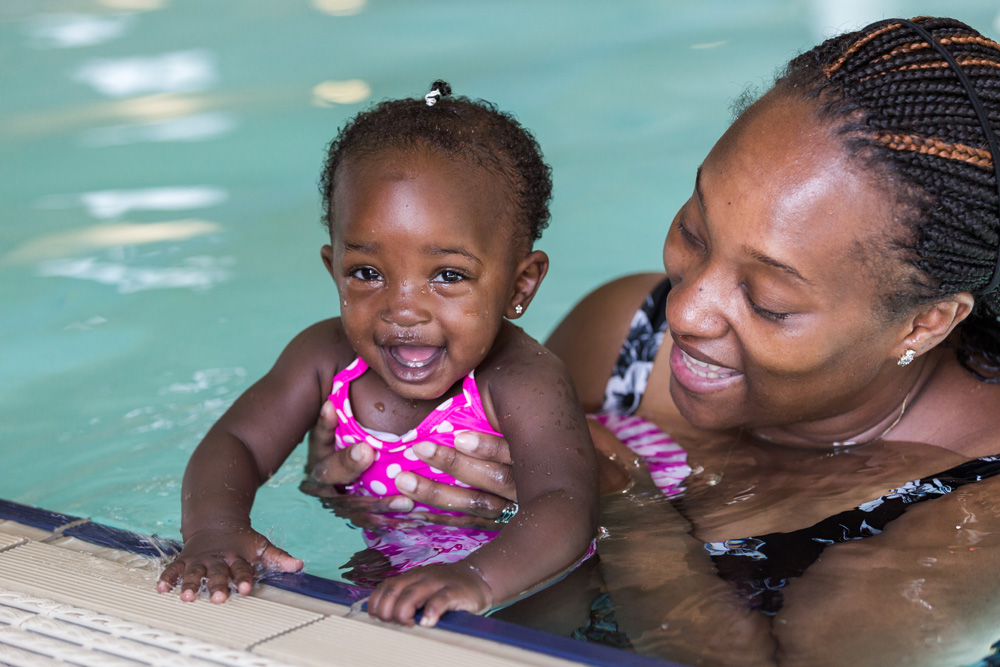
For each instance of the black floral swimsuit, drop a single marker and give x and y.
(761, 566)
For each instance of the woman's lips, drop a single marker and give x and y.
(699, 376)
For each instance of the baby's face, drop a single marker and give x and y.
(423, 255)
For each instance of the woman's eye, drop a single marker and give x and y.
(767, 314)
(449, 276)
(366, 273)
(688, 236)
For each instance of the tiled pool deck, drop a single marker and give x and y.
(77, 592)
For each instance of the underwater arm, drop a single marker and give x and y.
(923, 592)
(238, 454)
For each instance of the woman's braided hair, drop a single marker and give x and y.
(901, 107)
(456, 126)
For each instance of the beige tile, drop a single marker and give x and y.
(104, 586)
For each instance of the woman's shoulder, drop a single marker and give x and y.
(589, 338)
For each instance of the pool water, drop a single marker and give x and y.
(159, 218)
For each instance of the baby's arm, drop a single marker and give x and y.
(555, 473)
(238, 454)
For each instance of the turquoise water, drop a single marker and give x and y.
(159, 233)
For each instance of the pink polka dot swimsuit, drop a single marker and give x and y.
(394, 454)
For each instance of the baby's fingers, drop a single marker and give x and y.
(191, 581)
(276, 559)
(170, 575)
(217, 576)
(447, 599)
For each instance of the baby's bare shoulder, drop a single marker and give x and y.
(322, 347)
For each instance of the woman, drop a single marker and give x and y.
(830, 313)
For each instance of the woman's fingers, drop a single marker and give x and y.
(455, 498)
(493, 477)
(342, 466)
(483, 446)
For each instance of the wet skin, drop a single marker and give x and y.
(777, 227)
(427, 264)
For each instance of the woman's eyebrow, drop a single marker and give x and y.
(771, 261)
(756, 254)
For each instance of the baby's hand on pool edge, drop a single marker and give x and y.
(219, 556)
(435, 588)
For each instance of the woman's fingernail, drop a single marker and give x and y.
(358, 453)
(400, 504)
(327, 410)
(466, 441)
(425, 450)
(406, 481)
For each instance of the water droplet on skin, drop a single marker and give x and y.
(380, 407)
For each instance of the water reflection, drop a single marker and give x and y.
(198, 127)
(351, 91)
(178, 71)
(340, 7)
(198, 273)
(108, 236)
(66, 31)
(105, 204)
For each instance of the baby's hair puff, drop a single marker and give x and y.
(455, 126)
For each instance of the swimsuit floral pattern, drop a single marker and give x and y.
(631, 373)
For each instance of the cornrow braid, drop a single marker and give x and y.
(901, 107)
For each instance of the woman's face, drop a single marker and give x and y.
(773, 260)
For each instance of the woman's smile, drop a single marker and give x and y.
(700, 377)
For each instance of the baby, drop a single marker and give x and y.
(433, 206)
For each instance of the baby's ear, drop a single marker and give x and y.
(327, 253)
(527, 278)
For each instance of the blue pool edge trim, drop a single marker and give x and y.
(338, 592)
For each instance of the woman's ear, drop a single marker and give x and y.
(934, 322)
(529, 275)
(327, 253)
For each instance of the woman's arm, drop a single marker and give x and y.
(239, 453)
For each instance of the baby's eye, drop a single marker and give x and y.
(366, 273)
(449, 276)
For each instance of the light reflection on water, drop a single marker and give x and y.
(188, 136)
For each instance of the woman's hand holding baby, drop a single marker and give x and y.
(480, 460)
(217, 557)
(435, 588)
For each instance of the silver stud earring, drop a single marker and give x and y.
(906, 358)
(518, 309)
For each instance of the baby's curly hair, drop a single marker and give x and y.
(456, 126)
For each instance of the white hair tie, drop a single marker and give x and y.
(432, 97)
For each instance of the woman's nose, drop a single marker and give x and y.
(405, 305)
(697, 303)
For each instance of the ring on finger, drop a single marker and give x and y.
(508, 512)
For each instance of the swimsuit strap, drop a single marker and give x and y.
(627, 384)
(353, 371)
(761, 566)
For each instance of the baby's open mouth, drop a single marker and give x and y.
(414, 356)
